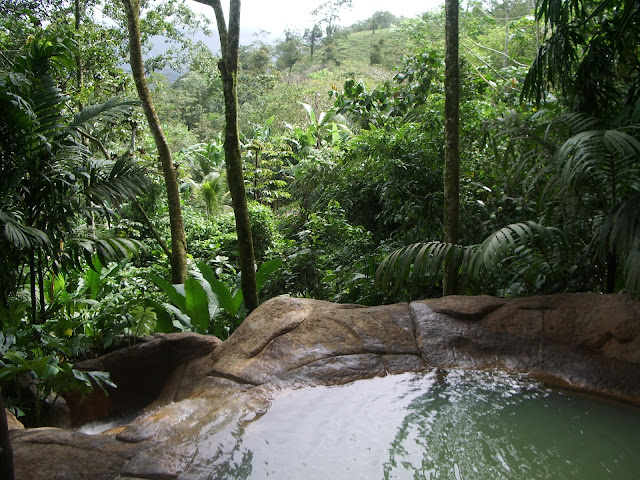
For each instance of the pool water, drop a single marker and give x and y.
(449, 425)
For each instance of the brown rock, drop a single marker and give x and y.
(466, 308)
(12, 422)
(54, 454)
(287, 335)
(588, 341)
(55, 413)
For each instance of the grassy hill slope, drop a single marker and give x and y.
(350, 57)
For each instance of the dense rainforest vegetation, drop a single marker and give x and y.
(341, 134)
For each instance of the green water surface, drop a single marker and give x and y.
(452, 425)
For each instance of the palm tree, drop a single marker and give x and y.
(206, 180)
(596, 181)
(49, 179)
(587, 172)
(589, 56)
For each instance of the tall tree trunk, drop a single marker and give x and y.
(612, 268)
(6, 452)
(40, 267)
(505, 58)
(79, 73)
(32, 289)
(178, 256)
(228, 65)
(452, 141)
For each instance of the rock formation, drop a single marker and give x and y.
(194, 388)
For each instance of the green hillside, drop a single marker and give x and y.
(350, 57)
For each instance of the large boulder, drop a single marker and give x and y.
(319, 342)
(194, 388)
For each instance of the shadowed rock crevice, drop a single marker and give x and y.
(466, 308)
(231, 377)
(143, 374)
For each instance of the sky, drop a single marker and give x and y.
(275, 16)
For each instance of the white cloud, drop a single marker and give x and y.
(275, 16)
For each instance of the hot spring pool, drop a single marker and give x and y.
(455, 425)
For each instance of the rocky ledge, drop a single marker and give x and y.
(194, 387)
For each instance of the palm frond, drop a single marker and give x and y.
(620, 236)
(577, 122)
(213, 190)
(107, 249)
(425, 262)
(421, 263)
(20, 235)
(607, 159)
(631, 271)
(112, 182)
(109, 112)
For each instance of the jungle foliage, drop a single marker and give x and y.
(343, 164)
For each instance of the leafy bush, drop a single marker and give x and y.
(391, 183)
(204, 304)
(208, 238)
(35, 355)
(324, 256)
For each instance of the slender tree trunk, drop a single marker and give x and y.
(79, 73)
(228, 65)
(32, 289)
(6, 452)
(178, 256)
(612, 267)
(505, 59)
(452, 141)
(43, 306)
(77, 11)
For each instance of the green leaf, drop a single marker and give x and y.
(266, 269)
(196, 305)
(15, 356)
(92, 278)
(170, 290)
(219, 289)
(164, 319)
(145, 319)
(102, 379)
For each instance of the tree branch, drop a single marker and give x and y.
(97, 142)
(495, 51)
(154, 232)
(6, 59)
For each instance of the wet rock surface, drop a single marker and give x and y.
(205, 387)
